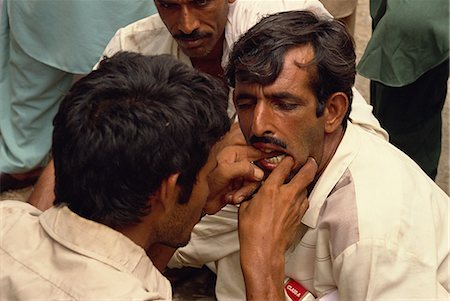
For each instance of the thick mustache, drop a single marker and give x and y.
(268, 140)
(192, 36)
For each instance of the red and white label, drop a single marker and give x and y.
(295, 291)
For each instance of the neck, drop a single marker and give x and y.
(140, 234)
(331, 143)
(212, 62)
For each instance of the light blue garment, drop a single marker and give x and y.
(42, 44)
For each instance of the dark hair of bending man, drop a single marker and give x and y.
(131, 143)
(131, 124)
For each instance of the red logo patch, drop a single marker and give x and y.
(295, 290)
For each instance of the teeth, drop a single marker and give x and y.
(267, 151)
(275, 160)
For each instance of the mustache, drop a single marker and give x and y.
(192, 36)
(268, 140)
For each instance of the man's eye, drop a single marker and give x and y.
(243, 106)
(201, 2)
(166, 4)
(286, 106)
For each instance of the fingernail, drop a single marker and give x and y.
(314, 160)
(258, 173)
(229, 198)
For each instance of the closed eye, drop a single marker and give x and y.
(285, 106)
(167, 4)
(201, 2)
(244, 105)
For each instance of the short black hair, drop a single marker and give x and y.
(128, 125)
(258, 56)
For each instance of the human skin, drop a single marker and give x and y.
(197, 25)
(280, 120)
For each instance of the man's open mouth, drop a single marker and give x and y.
(271, 161)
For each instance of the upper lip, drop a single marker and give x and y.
(188, 39)
(274, 149)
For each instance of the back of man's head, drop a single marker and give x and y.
(128, 125)
(258, 56)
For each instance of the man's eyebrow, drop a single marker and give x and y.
(244, 95)
(275, 96)
(166, 1)
(285, 96)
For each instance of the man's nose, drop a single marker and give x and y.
(262, 119)
(188, 21)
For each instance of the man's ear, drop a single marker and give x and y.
(335, 110)
(168, 192)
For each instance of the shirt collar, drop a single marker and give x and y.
(344, 155)
(97, 241)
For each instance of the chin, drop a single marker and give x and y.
(197, 53)
(183, 242)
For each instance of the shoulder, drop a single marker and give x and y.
(244, 14)
(146, 36)
(14, 212)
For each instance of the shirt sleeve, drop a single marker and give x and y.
(213, 238)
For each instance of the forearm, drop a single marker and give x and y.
(263, 280)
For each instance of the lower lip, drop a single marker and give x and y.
(266, 165)
(189, 44)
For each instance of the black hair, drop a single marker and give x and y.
(258, 56)
(128, 125)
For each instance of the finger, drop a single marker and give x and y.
(304, 176)
(236, 153)
(246, 191)
(240, 170)
(279, 174)
(234, 136)
(304, 206)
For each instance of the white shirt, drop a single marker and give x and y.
(377, 228)
(58, 255)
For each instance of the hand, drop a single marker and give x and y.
(267, 226)
(233, 176)
(233, 137)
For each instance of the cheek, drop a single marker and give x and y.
(306, 141)
(201, 194)
(245, 125)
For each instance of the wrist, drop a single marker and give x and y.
(264, 279)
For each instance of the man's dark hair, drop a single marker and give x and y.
(128, 125)
(258, 56)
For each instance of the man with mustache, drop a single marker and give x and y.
(377, 225)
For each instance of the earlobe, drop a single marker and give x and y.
(335, 110)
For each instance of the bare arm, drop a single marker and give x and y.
(267, 227)
(43, 194)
